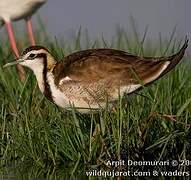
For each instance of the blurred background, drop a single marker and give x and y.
(101, 17)
(64, 17)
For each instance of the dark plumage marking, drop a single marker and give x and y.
(42, 55)
(31, 48)
(175, 59)
(47, 90)
(87, 54)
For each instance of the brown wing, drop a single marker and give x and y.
(115, 66)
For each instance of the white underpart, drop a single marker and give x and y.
(40, 80)
(152, 78)
(130, 88)
(58, 97)
(37, 67)
(66, 79)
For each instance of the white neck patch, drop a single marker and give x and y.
(38, 71)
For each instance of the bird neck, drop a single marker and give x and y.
(47, 91)
(39, 77)
(41, 74)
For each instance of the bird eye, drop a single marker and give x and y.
(31, 56)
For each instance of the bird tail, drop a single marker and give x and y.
(176, 58)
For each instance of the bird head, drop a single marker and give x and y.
(35, 57)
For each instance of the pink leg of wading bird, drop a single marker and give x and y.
(20, 69)
(12, 38)
(30, 31)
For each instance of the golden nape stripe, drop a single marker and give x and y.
(90, 78)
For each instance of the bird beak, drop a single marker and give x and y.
(13, 63)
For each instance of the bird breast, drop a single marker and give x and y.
(58, 97)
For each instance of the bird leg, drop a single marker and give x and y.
(20, 69)
(12, 38)
(30, 31)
